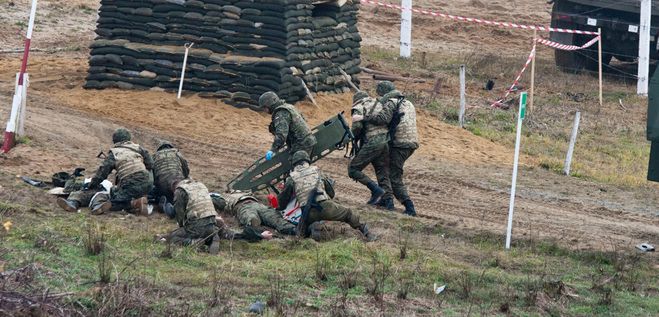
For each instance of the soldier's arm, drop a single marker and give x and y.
(383, 117)
(286, 195)
(184, 165)
(281, 123)
(148, 160)
(103, 171)
(357, 128)
(180, 205)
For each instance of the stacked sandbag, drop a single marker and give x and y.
(241, 49)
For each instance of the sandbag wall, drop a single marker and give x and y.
(241, 48)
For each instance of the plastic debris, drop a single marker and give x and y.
(645, 247)
(438, 290)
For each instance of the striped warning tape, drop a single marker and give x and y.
(480, 21)
(549, 43)
(565, 47)
(499, 102)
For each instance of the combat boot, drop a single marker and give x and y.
(376, 193)
(140, 206)
(409, 208)
(387, 204)
(101, 208)
(370, 236)
(166, 207)
(68, 205)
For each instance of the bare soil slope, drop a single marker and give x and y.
(456, 178)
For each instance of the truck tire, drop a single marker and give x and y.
(573, 61)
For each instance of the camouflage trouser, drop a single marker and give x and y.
(398, 156)
(203, 228)
(254, 214)
(377, 154)
(134, 186)
(332, 211)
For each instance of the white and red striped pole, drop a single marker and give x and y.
(12, 124)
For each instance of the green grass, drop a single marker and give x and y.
(310, 277)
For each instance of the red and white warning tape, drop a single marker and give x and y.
(549, 43)
(499, 102)
(480, 21)
(565, 47)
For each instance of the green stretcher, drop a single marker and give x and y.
(333, 134)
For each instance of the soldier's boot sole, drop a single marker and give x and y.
(64, 204)
(140, 206)
(102, 208)
(215, 245)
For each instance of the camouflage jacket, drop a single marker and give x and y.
(405, 135)
(288, 127)
(111, 163)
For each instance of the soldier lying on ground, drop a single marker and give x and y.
(133, 180)
(288, 126)
(199, 223)
(306, 184)
(251, 213)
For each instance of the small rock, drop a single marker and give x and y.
(257, 308)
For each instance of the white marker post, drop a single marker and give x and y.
(406, 29)
(185, 62)
(21, 89)
(463, 97)
(573, 140)
(520, 117)
(644, 47)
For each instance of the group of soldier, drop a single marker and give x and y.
(385, 129)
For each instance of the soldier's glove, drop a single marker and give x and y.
(268, 156)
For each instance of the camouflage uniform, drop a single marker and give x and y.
(250, 212)
(402, 144)
(168, 166)
(133, 179)
(374, 149)
(301, 182)
(289, 128)
(196, 216)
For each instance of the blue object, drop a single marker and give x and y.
(268, 156)
(257, 308)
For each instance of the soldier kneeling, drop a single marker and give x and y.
(307, 183)
(198, 222)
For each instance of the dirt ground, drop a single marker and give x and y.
(456, 178)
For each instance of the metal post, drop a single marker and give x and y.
(520, 117)
(644, 47)
(185, 61)
(599, 53)
(406, 29)
(463, 98)
(573, 140)
(535, 39)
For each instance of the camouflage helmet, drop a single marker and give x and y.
(268, 99)
(164, 144)
(300, 156)
(359, 95)
(120, 135)
(384, 87)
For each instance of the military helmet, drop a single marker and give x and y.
(300, 156)
(359, 95)
(120, 135)
(268, 99)
(164, 144)
(384, 87)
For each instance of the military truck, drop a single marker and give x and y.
(619, 21)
